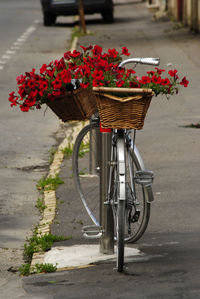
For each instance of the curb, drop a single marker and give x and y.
(71, 132)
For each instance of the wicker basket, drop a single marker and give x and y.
(79, 104)
(122, 112)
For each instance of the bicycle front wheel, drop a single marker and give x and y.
(120, 234)
(85, 165)
(118, 198)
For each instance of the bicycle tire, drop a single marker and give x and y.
(121, 201)
(86, 184)
(89, 197)
(120, 235)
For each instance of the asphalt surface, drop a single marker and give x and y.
(169, 266)
(25, 138)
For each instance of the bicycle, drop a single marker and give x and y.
(130, 184)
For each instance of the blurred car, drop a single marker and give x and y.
(53, 8)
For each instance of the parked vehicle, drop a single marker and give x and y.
(53, 8)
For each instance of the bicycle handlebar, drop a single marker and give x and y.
(148, 60)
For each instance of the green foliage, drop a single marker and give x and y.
(44, 268)
(68, 150)
(52, 153)
(24, 269)
(49, 183)
(40, 204)
(43, 243)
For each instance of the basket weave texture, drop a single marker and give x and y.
(123, 112)
(79, 104)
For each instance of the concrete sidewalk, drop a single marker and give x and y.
(165, 265)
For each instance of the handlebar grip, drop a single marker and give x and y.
(147, 61)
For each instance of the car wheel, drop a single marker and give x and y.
(108, 16)
(49, 19)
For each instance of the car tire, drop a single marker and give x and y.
(108, 16)
(48, 19)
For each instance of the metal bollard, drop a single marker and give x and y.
(106, 216)
(94, 151)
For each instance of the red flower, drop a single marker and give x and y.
(151, 73)
(113, 53)
(156, 80)
(20, 79)
(98, 75)
(93, 68)
(86, 48)
(125, 51)
(31, 83)
(84, 85)
(159, 71)
(50, 73)
(172, 73)
(184, 82)
(24, 108)
(43, 84)
(165, 81)
(57, 84)
(65, 75)
(134, 84)
(145, 80)
(75, 54)
(97, 50)
(43, 69)
(120, 83)
(22, 90)
(67, 55)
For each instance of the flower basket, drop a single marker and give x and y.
(122, 112)
(79, 104)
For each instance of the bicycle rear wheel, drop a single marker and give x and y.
(86, 169)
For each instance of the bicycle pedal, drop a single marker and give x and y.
(144, 177)
(92, 231)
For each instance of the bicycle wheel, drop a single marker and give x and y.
(137, 209)
(137, 205)
(86, 169)
(117, 195)
(120, 234)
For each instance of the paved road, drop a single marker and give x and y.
(169, 266)
(25, 138)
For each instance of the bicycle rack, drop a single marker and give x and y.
(92, 231)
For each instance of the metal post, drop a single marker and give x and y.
(94, 150)
(106, 216)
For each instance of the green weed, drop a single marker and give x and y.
(49, 183)
(43, 243)
(24, 269)
(68, 150)
(52, 153)
(44, 268)
(40, 204)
